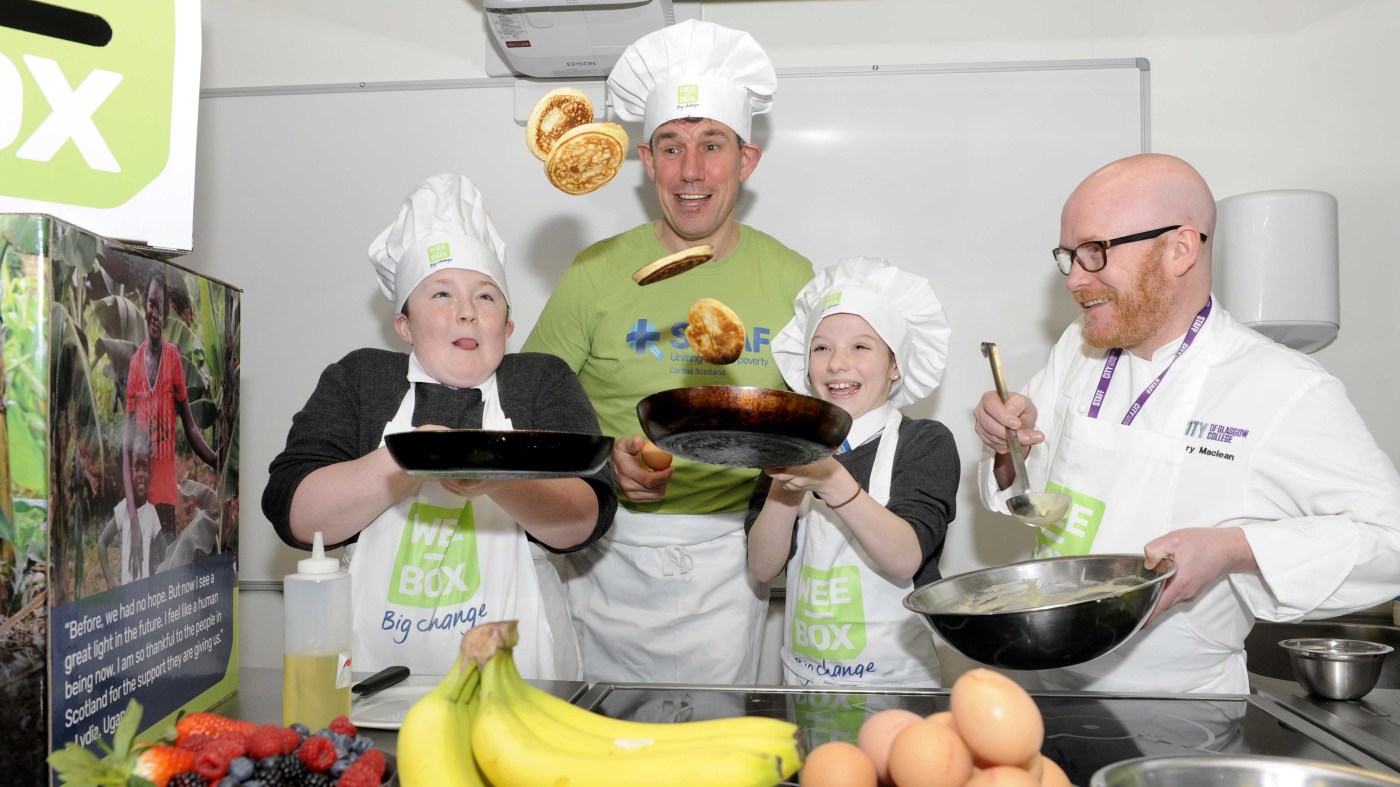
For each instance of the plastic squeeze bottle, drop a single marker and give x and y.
(316, 642)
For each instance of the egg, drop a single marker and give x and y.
(1054, 775)
(653, 457)
(929, 754)
(1003, 776)
(837, 764)
(877, 735)
(996, 718)
(942, 717)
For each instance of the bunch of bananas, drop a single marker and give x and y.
(483, 725)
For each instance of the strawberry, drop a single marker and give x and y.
(342, 725)
(194, 741)
(158, 763)
(318, 753)
(211, 724)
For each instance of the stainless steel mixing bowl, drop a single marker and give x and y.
(1036, 614)
(1338, 669)
(1196, 770)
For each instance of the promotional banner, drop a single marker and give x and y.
(98, 114)
(118, 490)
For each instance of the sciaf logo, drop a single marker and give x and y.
(88, 124)
(645, 338)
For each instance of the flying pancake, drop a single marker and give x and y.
(715, 331)
(586, 157)
(554, 114)
(673, 264)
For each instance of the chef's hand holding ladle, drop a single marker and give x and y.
(1038, 509)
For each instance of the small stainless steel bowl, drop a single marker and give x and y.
(1338, 669)
(1028, 616)
(1195, 770)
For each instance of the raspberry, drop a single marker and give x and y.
(266, 741)
(342, 725)
(193, 742)
(374, 760)
(318, 754)
(229, 748)
(212, 765)
(358, 776)
(291, 739)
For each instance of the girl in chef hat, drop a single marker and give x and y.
(870, 519)
(433, 558)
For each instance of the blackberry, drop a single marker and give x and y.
(187, 779)
(318, 780)
(284, 772)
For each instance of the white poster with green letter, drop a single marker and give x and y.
(99, 106)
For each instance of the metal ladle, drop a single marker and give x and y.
(1037, 509)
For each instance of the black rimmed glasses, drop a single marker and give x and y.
(1093, 255)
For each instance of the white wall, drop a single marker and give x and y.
(1283, 94)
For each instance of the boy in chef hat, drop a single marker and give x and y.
(667, 596)
(871, 519)
(432, 558)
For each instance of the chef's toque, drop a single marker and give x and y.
(693, 70)
(899, 305)
(441, 224)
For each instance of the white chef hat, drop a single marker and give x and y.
(442, 223)
(899, 305)
(693, 69)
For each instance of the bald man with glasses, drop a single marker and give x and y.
(1180, 434)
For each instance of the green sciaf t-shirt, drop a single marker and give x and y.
(627, 342)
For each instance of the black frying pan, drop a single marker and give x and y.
(504, 455)
(743, 426)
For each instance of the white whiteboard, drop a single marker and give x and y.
(957, 172)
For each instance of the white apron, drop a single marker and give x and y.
(668, 598)
(845, 623)
(435, 565)
(1122, 479)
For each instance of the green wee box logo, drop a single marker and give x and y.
(88, 125)
(828, 619)
(439, 251)
(687, 94)
(436, 563)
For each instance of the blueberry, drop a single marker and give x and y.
(228, 781)
(338, 767)
(361, 744)
(302, 729)
(241, 768)
(327, 734)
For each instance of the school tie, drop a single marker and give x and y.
(455, 408)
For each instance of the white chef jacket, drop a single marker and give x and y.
(1268, 442)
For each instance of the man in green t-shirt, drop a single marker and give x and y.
(667, 595)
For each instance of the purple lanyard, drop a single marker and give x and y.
(1106, 376)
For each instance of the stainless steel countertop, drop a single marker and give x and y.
(1371, 723)
(259, 699)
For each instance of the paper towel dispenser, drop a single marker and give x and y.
(1276, 264)
(570, 38)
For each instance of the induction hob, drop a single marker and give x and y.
(1083, 732)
